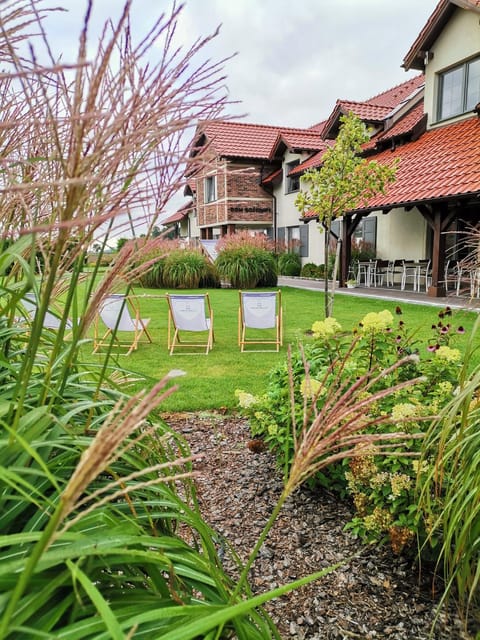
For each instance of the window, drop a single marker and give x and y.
(292, 182)
(365, 235)
(293, 239)
(459, 89)
(210, 188)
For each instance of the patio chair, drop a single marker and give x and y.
(363, 271)
(393, 269)
(190, 315)
(451, 274)
(52, 320)
(260, 320)
(379, 272)
(424, 273)
(120, 315)
(409, 270)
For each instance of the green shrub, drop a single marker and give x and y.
(185, 269)
(210, 279)
(246, 267)
(154, 258)
(289, 264)
(153, 278)
(381, 488)
(311, 270)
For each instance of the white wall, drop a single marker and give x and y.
(401, 235)
(194, 230)
(316, 244)
(289, 216)
(459, 41)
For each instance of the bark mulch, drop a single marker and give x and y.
(375, 595)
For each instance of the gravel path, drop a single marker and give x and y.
(375, 595)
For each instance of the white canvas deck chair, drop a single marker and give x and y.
(260, 320)
(120, 314)
(50, 321)
(190, 314)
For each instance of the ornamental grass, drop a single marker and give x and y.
(97, 497)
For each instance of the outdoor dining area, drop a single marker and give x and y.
(460, 277)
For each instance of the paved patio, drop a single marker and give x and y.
(384, 293)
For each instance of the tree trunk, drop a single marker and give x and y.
(331, 294)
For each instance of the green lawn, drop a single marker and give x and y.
(211, 380)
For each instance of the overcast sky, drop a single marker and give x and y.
(293, 59)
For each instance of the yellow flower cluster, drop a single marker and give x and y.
(272, 429)
(445, 388)
(448, 354)
(309, 387)
(399, 482)
(379, 520)
(377, 321)
(245, 399)
(404, 410)
(362, 466)
(420, 468)
(360, 500)
(379, 480)
(327, 328)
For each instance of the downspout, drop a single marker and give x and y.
(274, 218)
(274, 198)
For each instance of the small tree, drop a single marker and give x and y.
(121, 242)
(343, 183)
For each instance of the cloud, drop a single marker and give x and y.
(294, 59)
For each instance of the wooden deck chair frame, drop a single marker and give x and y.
(190, 315)
(260, 311)
(121, 315)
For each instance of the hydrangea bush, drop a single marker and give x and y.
(382, 488)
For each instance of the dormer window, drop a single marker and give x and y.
(210, 185)
(292, 183)
(459, 89)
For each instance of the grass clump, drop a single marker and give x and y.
(246, 261)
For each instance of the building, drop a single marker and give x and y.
(250, 174)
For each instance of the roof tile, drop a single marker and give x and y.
(245, 140)
(442, 163)
(394, 96)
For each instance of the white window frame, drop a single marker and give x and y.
(210, 189)
(458, 89)
(292, 183)
(293, 239)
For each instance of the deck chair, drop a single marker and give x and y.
(260, 320)
(120, 314)
(51, 320)
(190, 316)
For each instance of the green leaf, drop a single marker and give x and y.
(106, 614)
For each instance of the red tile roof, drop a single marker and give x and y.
(404, 126)
(376, 109)
(270, 179)
(394, 96)
(364, 110)
(179, 214)
(305, 140)
(245, 140)
(240, 139)
(318, 127)
(442, 163)
(311, 163)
